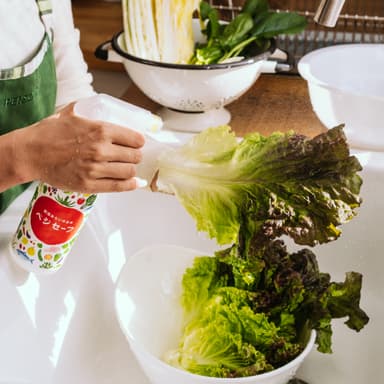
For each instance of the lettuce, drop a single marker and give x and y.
(284, 184)
(235, 328)
(251, 307)
(226, 338)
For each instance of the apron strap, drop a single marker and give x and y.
(45, 6)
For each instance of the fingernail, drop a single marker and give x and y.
(141, 183)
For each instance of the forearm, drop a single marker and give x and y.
(12, 164)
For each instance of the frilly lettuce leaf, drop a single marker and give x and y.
(284, 184)
(251, 307)
(236, 325)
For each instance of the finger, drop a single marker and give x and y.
(114, 185)
(119, 153)
(112, 170)
(126, 136)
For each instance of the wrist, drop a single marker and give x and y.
(19, 156)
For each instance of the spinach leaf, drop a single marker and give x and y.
(211, 16)
(251, 28)
(236, 30)
(255, 7)
(276, 23)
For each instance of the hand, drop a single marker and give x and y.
(77, 154)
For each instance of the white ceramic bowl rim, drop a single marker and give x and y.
(116, 45)
(305, 70)
(245, 379)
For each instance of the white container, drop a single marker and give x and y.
(150, 315)
(108, 108)
(54, 218)
(346, 86)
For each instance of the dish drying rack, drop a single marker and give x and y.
(361, 21)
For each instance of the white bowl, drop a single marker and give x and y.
(346, 86)
(194, 95)
(147, 304)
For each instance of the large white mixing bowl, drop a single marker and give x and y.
(346, 86)
(150, 315)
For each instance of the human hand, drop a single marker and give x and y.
(77, 154)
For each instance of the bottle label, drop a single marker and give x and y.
(49, 227)
(53, 223)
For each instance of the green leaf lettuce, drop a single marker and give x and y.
(284, 184)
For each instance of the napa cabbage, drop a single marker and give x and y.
(159, 30)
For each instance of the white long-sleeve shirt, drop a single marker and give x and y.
(21, 32)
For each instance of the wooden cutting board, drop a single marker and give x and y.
(274, 103)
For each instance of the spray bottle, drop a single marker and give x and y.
(54, 218)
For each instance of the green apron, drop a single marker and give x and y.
(28, 92)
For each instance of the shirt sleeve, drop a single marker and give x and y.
(73, 79)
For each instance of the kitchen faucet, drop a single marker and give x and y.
(328, 12)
